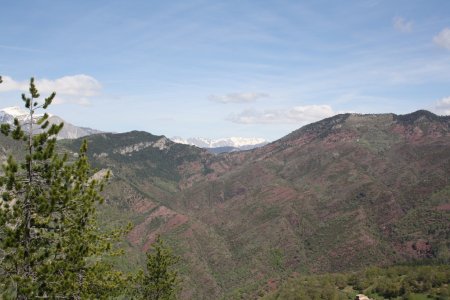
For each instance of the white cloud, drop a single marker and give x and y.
(69, 89)
(442, 106)
(238, 97)
(443, 38)
(402, 25)
(297, 115)
(11, 85)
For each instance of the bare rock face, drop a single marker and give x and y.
(161, 144)
(101, 174)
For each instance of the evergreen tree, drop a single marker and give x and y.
(50, 244)
(161, 281)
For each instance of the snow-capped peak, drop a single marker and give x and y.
(8, 114)
(18, 112)
(239, 141)
(236, 142)
(14, 111)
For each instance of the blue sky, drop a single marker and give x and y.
(226, 68)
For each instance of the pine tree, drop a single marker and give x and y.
(50, 243)
(24, 215)
(161, 280)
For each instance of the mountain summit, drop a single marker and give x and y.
(8, 114)
(418, 123)
(69, 131)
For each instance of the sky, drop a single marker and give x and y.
(225, 68)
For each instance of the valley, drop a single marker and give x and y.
(337, 195)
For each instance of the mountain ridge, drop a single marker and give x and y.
(340, 194)
(336, 195)
(243, 143)
(327, 124)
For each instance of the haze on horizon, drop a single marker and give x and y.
(220, 69)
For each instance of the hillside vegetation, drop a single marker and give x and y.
(338, 195)
(399, 282)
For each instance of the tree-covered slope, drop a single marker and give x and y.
(337, 195)
(396, 282)
(340, 194)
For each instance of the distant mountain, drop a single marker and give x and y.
(8, 114)
(221, 145)
(69, 130)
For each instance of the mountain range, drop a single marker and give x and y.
(340, 194)
(222, 145)
(70, 131)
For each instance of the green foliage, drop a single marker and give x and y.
(277, 259)
(50, 244)
(397, 282)
(160, 281)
